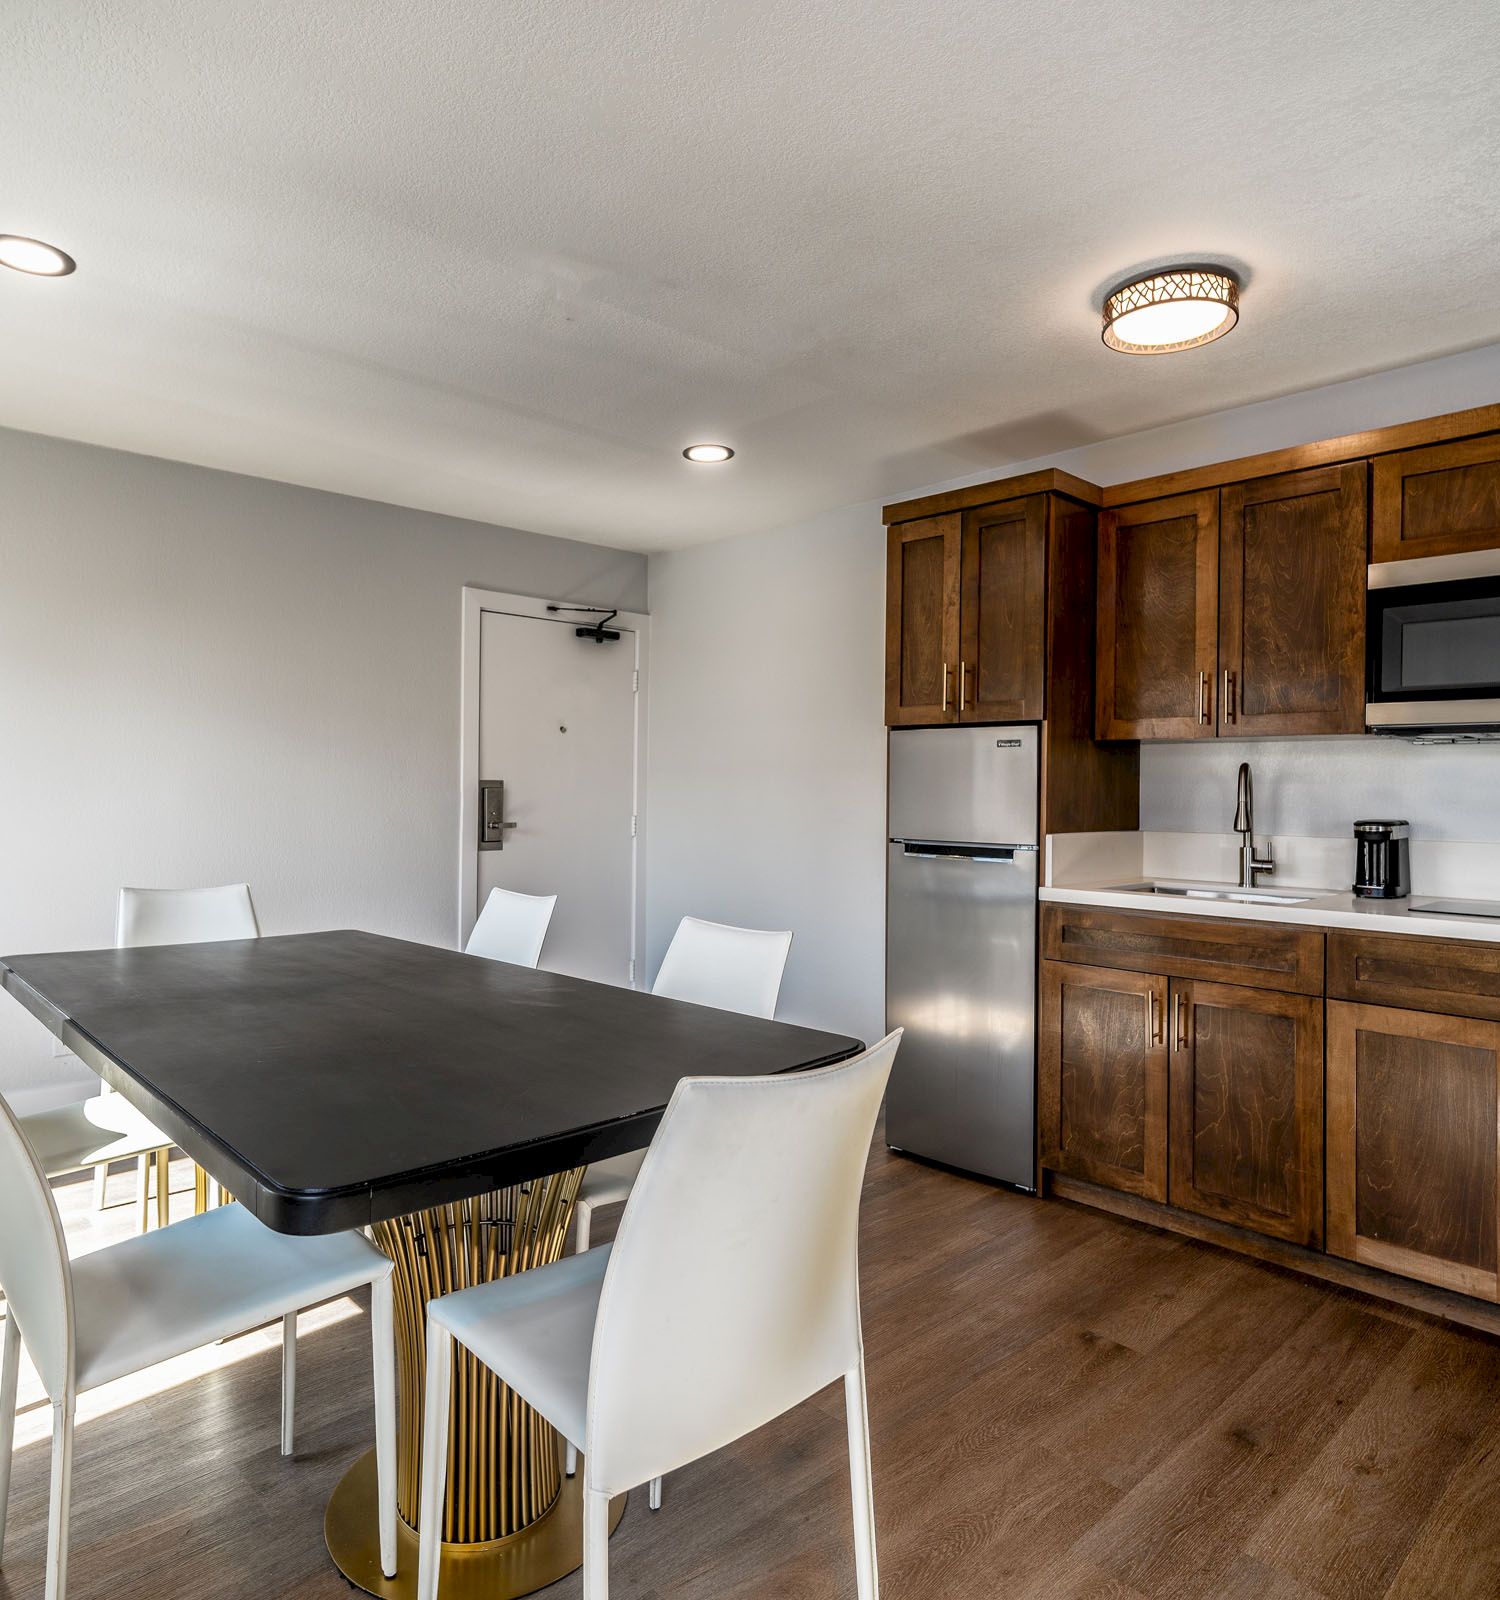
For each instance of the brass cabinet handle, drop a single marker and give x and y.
(1180, 1020)
(1203, 715)
(1231, 710)
(945, 686)
(1153, 1019)
(963, 674)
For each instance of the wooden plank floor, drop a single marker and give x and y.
(1066, 1407)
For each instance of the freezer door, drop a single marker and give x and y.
(961, 979)
(975, 785)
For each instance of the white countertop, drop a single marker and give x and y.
(1324, 909)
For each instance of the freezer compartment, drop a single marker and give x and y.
(961, 979)
(971, 785)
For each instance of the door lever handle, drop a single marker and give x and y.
(492, 824)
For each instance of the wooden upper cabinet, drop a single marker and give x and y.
(1102, 1077)
(1246, 1108)
(1292, 603)
(1002, 649)
(1412, 1145)
(1437, 501)
(1157, 619)
(921, 620)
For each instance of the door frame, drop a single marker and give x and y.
(476, 602)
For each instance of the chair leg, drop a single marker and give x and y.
(434, 1459)
(59, 1506)
(163, 1188)
(653, 1494)
(383, 1351)
(10, 1370)
(101, 1174)
(143, 1190)
(866, 1570)
(595, 1545)
(288, 1381)
(583, 1217)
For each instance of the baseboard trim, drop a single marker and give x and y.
(1433, 1302)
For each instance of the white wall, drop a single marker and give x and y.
(767, 755)
(769, 649)
(207, 678)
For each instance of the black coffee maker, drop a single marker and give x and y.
(1382, 860)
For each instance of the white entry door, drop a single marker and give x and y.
(557, 725)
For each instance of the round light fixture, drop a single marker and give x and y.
(708, 454)
(31, 255)
(1176, 308)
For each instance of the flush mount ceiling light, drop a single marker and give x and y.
(31, 255)
(708, 454)
(1175, 308)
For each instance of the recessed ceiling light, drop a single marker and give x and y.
(31, 255)
(707, 454)
(1176, 308)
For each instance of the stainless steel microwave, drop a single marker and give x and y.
(1432, 642)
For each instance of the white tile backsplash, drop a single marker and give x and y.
(1316, 788)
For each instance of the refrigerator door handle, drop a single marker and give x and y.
(924, 850)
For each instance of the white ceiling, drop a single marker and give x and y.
(505, 258)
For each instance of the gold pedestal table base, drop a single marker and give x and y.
(544, 1552)
(512, 1523)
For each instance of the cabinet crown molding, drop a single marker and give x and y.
(1442, 429)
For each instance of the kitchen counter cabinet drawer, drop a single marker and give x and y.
(1257, 955)
(1416, 973)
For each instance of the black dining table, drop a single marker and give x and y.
(447, 1102)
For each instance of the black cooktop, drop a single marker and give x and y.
(1458, 908)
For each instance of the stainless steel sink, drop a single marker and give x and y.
(1249, 897)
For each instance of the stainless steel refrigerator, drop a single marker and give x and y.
(961, 947)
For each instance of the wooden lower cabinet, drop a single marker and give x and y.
(1412, 1144)
(1102, 1089)
(1341, 1131)
(1246, 1108)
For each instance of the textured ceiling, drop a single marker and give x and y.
(505, 259)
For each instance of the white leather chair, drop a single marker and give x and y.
(96, 1132)
(512, 927)
(131, 1305)
(105, 1128)
(706, 1318)
(184, 916)
(711, 964)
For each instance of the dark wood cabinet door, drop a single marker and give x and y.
(1102, 1090)
(1412, 1100)
(1158, 617)
(1246, 1108)
(1002, 653)
(921, 620)
(1292, 603)
(1437, 501)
